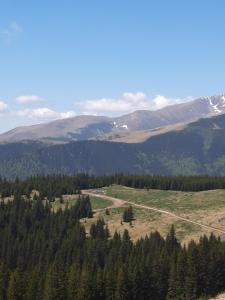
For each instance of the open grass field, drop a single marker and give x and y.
(70, 200)
(207, 207)
(175, 201)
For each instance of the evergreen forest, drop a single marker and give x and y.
(49, 255)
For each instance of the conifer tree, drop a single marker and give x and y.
(128, 214)
(191, 279)
(55, 284)
(4, 278)
(12, 293)
(123, 291)
(73, 282)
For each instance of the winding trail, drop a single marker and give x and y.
(116, 202)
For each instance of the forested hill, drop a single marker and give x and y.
(197, 149)
(46, 255)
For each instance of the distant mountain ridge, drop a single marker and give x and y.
(198, 148)
(100, 127)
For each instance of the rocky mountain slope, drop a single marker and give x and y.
(100, 127)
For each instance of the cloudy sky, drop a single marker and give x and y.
(63, 58)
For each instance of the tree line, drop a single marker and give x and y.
(55, 186)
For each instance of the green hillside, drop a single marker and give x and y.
(197, 149)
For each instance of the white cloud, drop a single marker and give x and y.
(10, 33)
(160, 101)
(3, 107)
(127, 103)
(29, 99)
(43, 114)
(67, 114)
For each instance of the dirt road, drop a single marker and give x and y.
(120, 202)
(115, 201)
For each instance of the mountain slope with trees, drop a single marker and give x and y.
(46, 255)
(197, 149)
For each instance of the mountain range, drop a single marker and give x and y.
(182, 149)
(125, 128)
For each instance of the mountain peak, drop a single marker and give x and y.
(85, 127)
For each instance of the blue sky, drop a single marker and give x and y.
(61, 58)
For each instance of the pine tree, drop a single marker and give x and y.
(172, 289)
(85, 285)
(12, 293)
(4, 278)
(171, 241)
(123, 291)
(191, 279)
(73, 282)
(128, 214)
(181, 274)
(32, 286)
(55, 284)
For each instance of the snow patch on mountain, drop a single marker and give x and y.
(216, 127)
(223, 100)
(214, 106)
